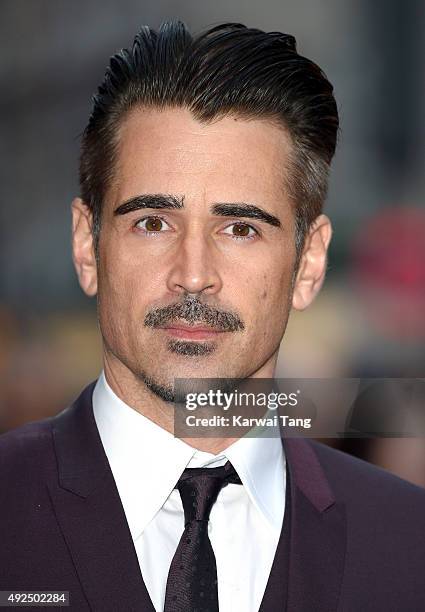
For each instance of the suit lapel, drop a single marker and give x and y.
(91, 516)
(318, 533)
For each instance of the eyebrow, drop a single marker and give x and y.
(151, 200)
(223, 209)
(241, 209)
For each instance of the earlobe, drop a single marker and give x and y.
(83, 247)
(312, 268)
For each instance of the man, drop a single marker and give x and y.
(199, 227)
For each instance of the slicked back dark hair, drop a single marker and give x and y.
(227, 70)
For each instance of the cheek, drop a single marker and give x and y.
(131, 267)
(118, 270)
(127, 288)
(118, 286)
(274, 284)
(271, 301)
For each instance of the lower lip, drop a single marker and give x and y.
(195, 334)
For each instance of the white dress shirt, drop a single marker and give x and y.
(245, 521)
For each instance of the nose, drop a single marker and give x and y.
(195, 267)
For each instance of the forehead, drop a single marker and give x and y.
(170, 151)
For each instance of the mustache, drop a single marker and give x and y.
(192, 310)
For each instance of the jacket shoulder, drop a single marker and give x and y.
(360, 482)
(25, 451)
(30, 445)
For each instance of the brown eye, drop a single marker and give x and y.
(240, 229)
(153, 224)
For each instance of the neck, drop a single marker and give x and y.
(134, 392)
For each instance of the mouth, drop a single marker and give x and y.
(191, 332)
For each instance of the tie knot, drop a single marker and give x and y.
(199, 488)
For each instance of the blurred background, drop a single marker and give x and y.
(369, 320)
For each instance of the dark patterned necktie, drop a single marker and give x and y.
(192, 578)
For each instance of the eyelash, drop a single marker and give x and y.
(238, 238)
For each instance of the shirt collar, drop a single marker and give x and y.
(261, 465)
(147, 461)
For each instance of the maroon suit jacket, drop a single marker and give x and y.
(353, 537)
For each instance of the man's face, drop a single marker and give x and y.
(195, 276)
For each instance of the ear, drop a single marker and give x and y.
(312, 268)
(83, 247)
